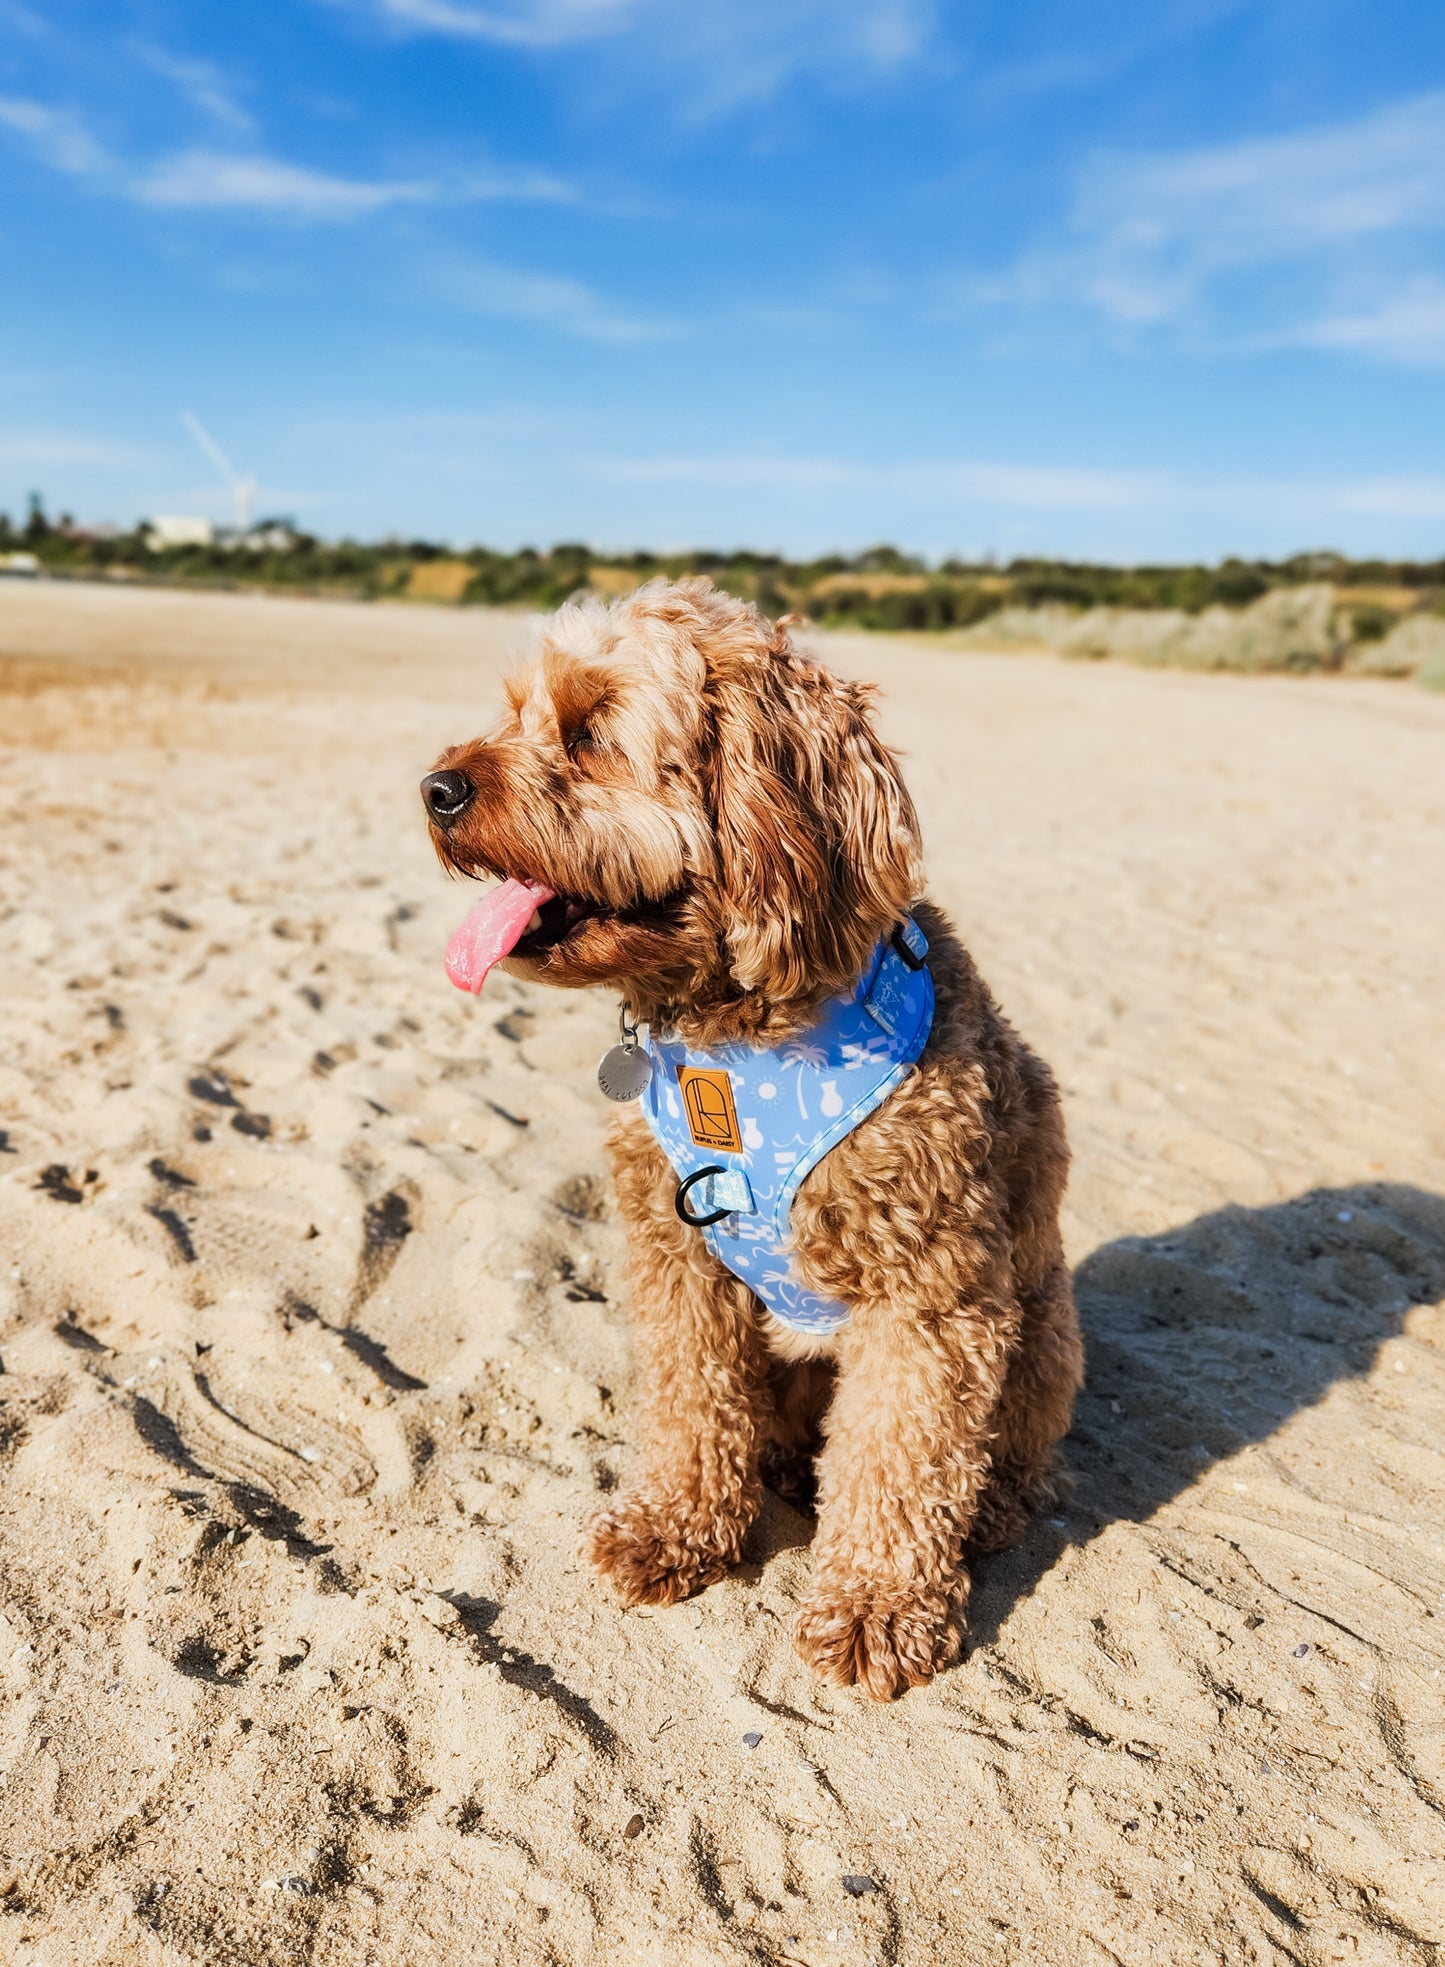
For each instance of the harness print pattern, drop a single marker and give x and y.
(791, 1105)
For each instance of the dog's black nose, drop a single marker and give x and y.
(447, 796)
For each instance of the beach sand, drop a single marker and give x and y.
(315, 1356)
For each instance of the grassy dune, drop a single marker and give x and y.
(1313, 612)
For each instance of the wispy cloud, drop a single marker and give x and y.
(216, 180)
(253, 181)
(256, 184)
(49, 447)
(523, 24)
(58, 137)
(23, 20)
(1041, 487)
(484, 287)
(203, 85)
(212, 180)
(1163, 224)
(1395, 498)
(202, 180)
(727, 55)
(1034, 488)
(1407, 327)
(408, 425)
(1311, 217)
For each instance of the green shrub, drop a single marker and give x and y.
(1371, 624)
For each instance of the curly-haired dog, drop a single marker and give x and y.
(695, 815)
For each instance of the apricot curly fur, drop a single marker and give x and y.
(742, 839)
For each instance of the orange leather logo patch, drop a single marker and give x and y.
(707, 1100)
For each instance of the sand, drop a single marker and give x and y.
(315, 1352)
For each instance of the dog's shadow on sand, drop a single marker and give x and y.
(1207, 1338)
(1200, 1341)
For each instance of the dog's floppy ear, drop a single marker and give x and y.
(817, 837)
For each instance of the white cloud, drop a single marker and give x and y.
(484, 287)
(741, 51)
(251, 181)
(522, 186)
(516, 421)
(1272, 198)
(1407, 327)
(1395, 498)
(1041, 487)
(57, 136)
(1036, 488)
(216, 180)
(1261, 242)
(23, 20)
(46, 447)
(522, 24)
(209, 180)
(203, 85)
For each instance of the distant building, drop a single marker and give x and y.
(178, 530)
(271, 536)
(266, 536)
(19, 566)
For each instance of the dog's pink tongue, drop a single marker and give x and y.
(493, 929)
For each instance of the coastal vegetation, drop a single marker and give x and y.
(1312, 611)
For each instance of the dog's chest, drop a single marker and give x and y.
(743, 1127)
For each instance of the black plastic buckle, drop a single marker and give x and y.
(679, 1201)
(911, 961)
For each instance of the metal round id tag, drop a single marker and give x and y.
(624, 1073)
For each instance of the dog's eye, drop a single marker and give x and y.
(582, 739)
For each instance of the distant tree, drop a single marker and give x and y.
(1322, 565)
(957, 594)
(886, 560)
(1235, 584)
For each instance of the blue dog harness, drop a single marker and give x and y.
(743, 1126)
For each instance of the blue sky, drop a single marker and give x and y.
(1076, 276)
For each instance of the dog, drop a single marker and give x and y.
(690, 812)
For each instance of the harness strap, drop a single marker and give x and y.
(743, 1126)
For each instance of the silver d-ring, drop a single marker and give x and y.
(679, 1201)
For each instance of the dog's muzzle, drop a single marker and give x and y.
(447, 796)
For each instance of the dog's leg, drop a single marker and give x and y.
(1034, 1411)
(680, 1522)
(703, 1371)
(900, 1477)
(801, 1392)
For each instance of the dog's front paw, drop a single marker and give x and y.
(880, 1638)
(656, 1550)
